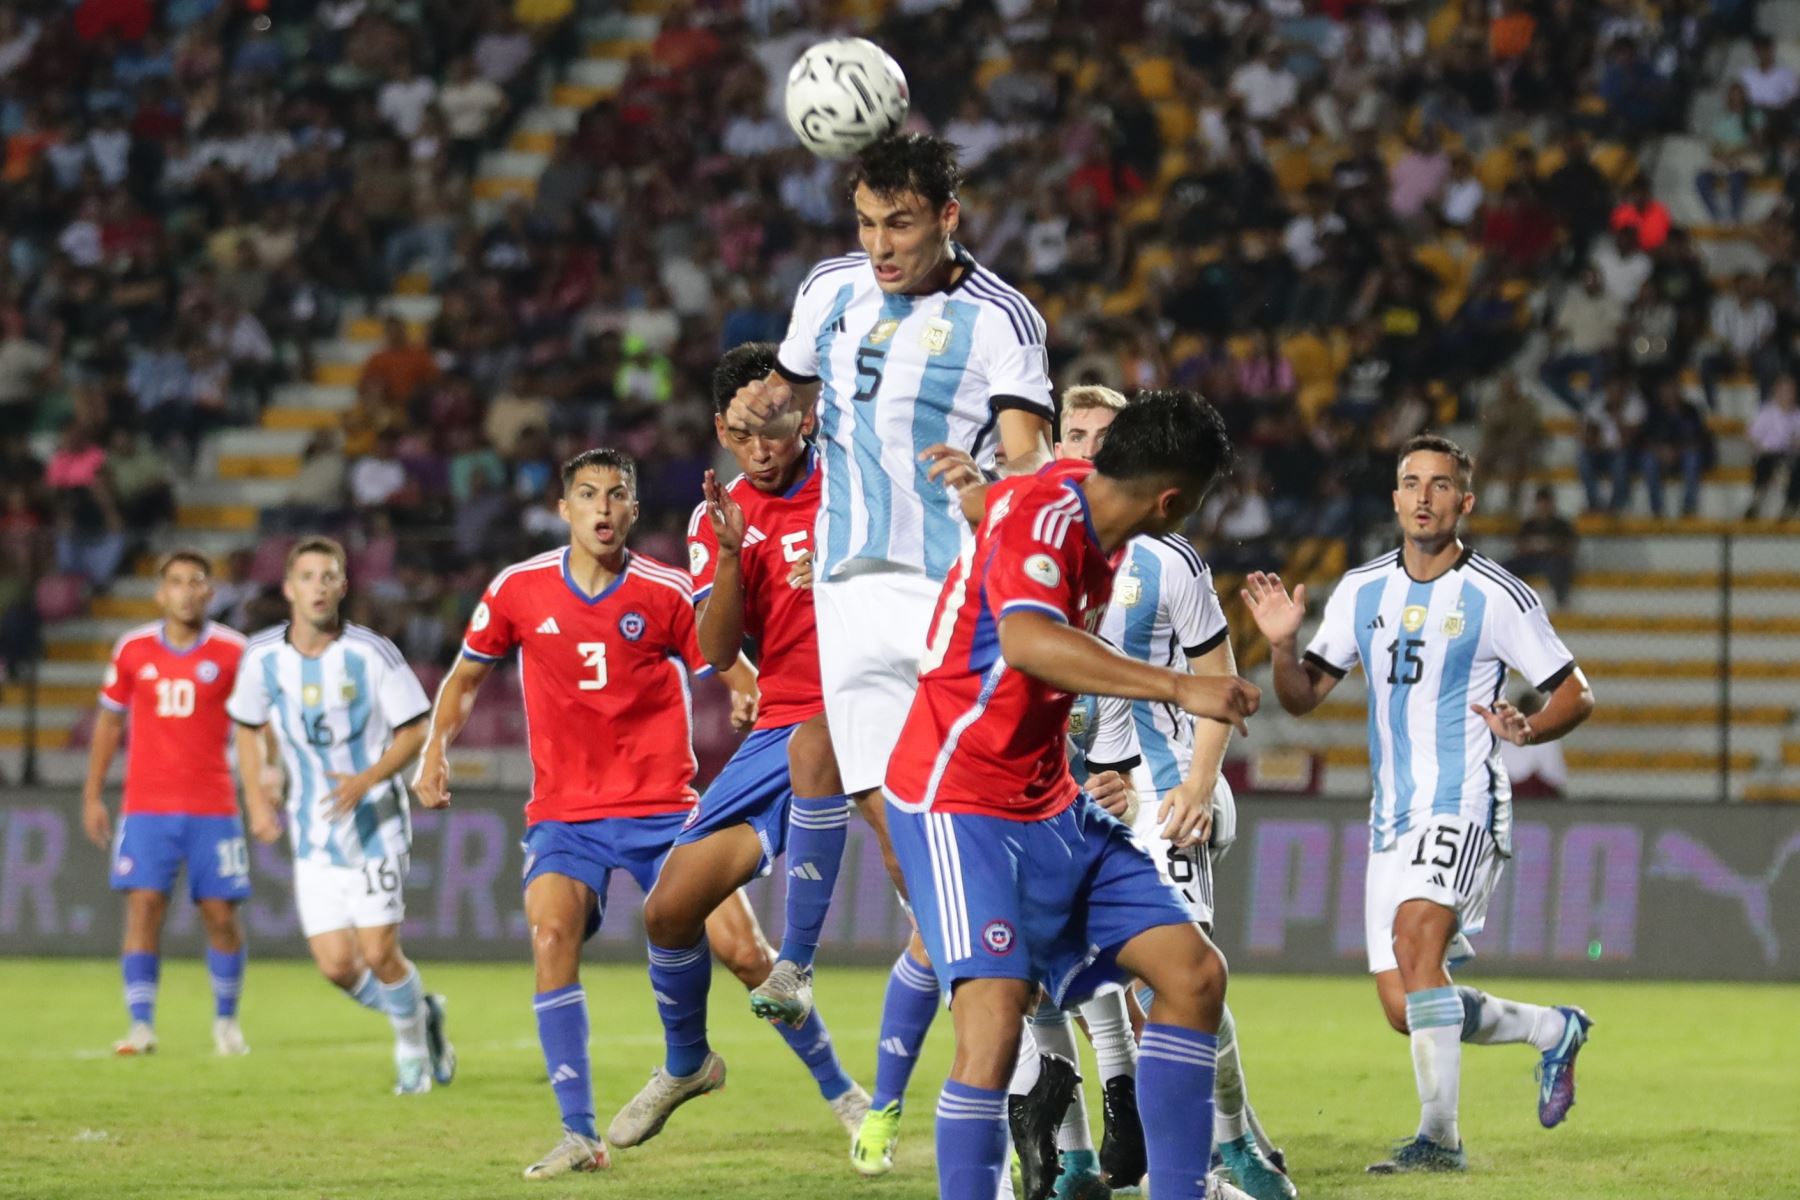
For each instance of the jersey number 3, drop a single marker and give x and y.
(593, 655)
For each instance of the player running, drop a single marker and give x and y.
(349, 714)
(1435, 626)
(907, 344)
(169, 680)
(1017, 878)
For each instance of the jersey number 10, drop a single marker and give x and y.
(174, 697)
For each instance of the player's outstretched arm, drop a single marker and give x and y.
(259, 809)
(1073, 660)
(1571, 703)
(1027, 439)
(1299, 685)
(772, 407)
(449, 713)
(109, 731)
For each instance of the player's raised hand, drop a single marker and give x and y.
(744, 707)
(345, 795)
(1507, 722)
(1277, 614)
(1113, 792)
(1219, 698)
(1186, 814)
(765, 407)
(96, 821)
(725, 514)
(431, 781)
(952, 467)
(801, 575)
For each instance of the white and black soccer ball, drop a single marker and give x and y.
(844, 94)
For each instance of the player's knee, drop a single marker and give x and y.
(1191, 992)
(553, 941)
(344, 972)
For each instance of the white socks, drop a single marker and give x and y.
(405, 1004)
(1109, 1027)
(1231, 1105)
(1500, 1022)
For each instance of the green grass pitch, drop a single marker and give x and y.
(1686, 1091)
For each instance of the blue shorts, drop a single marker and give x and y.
(1047, 901)
(150, 849)
(590, 851)
(754, 789)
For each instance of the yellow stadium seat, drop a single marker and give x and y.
(1615, 162)
(990, 70)
(1293, 167)
(542, 12)
(1175, 120)
(1495, 169)
(1155, 78)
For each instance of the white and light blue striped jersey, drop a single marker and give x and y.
(333, 715)
(897, 374)
(1163, 612)
(1429, 651)
(1101, 733)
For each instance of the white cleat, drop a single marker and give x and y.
(228, 1037)
(1218, 1187)
(573, 1154)
(141, 1040)
(649, 1110)
(850, 1108)
(785, 996)
(414, 1076)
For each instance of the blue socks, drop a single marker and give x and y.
(971, 1142)
(680, 979)
(1175, 1101)
(141, 974)
(562, 1020)
(367, 992)
(906, 1015)
(227, 973)
(812, 1044)
(816, 831)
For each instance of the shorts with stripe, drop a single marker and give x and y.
(753, 788)
(1450, 860)
(1048, 901)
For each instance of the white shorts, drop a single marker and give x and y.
(1451, 861)
(872, 630)
(1189, 871)
(370, 896)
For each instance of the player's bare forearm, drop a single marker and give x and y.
(408, 739)
(1299, 685)
(109, 731)
(1211, 738)
(1026, 438)
(1073, 660)
(739, 675)
(455, 701)
(1569, 705)
(721, 625)
(249, 743)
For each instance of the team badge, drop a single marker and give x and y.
(478, 620)
(631, 625)
(697, 557)
(1130, 590)
(1078, 721)
(347, 691)
(998, 937)
(693, 818)
(124, 865)
(1413, 618)
(310, 695)
(1453, 624)
(1043, 569)
(207, 671)
(936, 338)
(883, 331)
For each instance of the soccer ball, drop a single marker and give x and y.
(844, 94)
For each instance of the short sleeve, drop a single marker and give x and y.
(491, 635)
(249, 701)
(1333, 647)
(684, 637)
(1015, 362)
(121, 676)
(1524, 640)
(1115, 735)
(797, 358)
(401, 696)
(1195, 615)
(1030, 569)
(703, 552)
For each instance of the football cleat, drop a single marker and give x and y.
(1556, 1073)
(574, 1153)
(1034, 1118)
(1220, 1188)
(872, 1146)
(785, 996)
(1080, 1178)
(1423, 1156)
(437, 1042)
(649, 1110)
(141, 1040)
(414, 1076)
(850, 1108)
(1254, 1173)
(228, 1037)
(1122, 1155)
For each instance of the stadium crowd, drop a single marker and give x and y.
(1339, 220)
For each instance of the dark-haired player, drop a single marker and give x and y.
(1435, 626)
(1017, 878)
(168, 680)
(909, 344)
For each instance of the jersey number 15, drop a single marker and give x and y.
(1410, 658)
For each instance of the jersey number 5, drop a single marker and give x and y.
(593, 654)
(174, 697)
(1410, 657)
(868, 371)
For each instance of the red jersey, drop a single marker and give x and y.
(607, 711)
(174, 701)
(982, 738)
(778, 530)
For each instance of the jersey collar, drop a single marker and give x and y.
(609, 589)
(162, 635)
(812, 464)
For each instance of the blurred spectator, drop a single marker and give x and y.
(1775, 443)
(143, 483)
(1545, 545)
(1673, 437)
(394, 374)
(1639, 210)
(1583, 333)
(1609, 429)
(1740, 337)
(90, 539)
(378, 477)
(1512, 439)
(1622, 266)
(26, 368)
(1735, 134)
(1770, 86)
(315, 498)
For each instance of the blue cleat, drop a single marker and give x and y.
(1421, 1155)
(1080, 1177)
(1556, 1073)
(1253, 1172)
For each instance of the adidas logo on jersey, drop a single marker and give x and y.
(564, 1073)
(806, 870)
(549, 626)
(1377, 623)
(147, 671)
(896, 1047)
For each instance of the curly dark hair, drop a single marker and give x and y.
(1166, 433)
(909, 162)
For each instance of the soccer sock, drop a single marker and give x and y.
(367, 991)
(816, 832)
(227, 972)
(812, 1044)
(141, 971)
(405, 1005)
(1493, 1021)
(907, 1011)
(1027, 1065)
(1175, 1101)
(1051, 1028)
(1230, 1103)
(680, 980)
(971, 1141)
(1109, 1028)
(1435, 1017)
(562, 1020)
